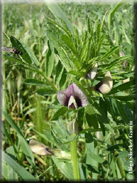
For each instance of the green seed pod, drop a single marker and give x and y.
(62, 154)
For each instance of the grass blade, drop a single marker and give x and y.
(59, 14)
(25, 147)
(25, 175)
(111, 14)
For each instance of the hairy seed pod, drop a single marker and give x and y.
(40, 148)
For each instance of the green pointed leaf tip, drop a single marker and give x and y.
(21, 171)
(34, 82)
(64, 167)
(111, 14)
(12, 123)
(25, 148)
(59, 113)
(54, 38)
(49, 60)
(59, 14)
(46, 91)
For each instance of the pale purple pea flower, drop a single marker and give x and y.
(72, 97)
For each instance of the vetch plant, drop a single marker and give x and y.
(63, 100)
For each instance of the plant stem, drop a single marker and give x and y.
(119, 163)
(122, 171)
(74, 159)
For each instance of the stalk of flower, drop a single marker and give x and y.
(105, 85)
(73, 97)
(74, 127)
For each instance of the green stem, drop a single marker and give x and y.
(119, 163)
(122, 171)
(74, 159)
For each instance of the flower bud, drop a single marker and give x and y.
(92, 73)
(125, 80)
(99, 135)
(105, 85)
(125, 63)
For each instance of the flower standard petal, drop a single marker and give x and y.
(64, 95)
(62, 98)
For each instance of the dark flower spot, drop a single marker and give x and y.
(78, 101)
(98, 86)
